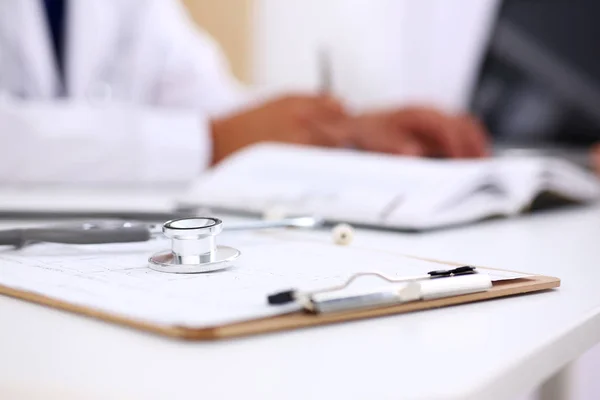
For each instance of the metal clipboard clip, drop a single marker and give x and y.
(434, 284)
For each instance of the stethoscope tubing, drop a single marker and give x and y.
(126, 232)
(22, 237)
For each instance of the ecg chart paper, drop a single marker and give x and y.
(115, 278)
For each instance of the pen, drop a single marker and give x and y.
(432, 285)
(288, 296)
(325, 73)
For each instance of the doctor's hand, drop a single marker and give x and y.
(420, 131)
(303, 119)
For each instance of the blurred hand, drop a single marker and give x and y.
(310, 120)
(420, 131)
(596, 158)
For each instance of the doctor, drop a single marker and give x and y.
(130, 91)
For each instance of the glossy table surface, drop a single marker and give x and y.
(493, 350)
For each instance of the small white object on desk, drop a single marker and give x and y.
(343, 234)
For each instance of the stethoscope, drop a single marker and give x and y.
(194, 248)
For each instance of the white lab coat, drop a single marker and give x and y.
(385, 53)
(165, 79)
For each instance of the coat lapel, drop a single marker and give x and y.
(93, 34)
(29, 40)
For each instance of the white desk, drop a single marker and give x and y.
(492, 350)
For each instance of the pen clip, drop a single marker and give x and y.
(290, 296)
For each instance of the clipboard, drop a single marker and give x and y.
(299, 319)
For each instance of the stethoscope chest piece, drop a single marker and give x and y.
(193, 247)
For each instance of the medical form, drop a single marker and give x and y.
(115, 278)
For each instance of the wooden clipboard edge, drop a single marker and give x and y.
(172, 331)
(304, 320)
(291, 321)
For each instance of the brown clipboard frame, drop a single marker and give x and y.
(296, 320)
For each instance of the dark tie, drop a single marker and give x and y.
(55, 14)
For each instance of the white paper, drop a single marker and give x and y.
(382, 190)
(116, 279)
